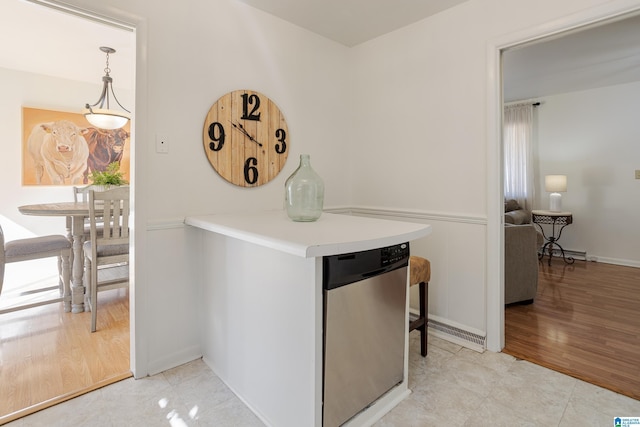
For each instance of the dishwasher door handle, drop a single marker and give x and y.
(373, 273)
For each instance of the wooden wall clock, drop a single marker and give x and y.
(246, 138)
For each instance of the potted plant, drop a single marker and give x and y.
(110, 177)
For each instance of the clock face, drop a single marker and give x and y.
(246, 138)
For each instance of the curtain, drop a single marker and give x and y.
(518, 154)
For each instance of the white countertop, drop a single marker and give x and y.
(332, 234)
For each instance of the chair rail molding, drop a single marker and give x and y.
(165, 224)
(409, 214)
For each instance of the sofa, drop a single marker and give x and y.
(514, 214)
(521, 243)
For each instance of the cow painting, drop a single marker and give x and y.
(105, 147)
(59, 149)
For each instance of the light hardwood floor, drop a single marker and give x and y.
(48, 356)
(584, 322)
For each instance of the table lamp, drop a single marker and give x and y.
(555, 184)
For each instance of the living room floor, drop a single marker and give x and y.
(584, 322)
(452, 386)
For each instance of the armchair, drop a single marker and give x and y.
(521, 243)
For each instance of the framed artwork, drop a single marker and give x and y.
(61, 148)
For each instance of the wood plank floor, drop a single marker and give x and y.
(584, 322)
(47, 355)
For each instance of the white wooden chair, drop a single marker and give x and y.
(106, 262)
(36, 248)
(81, 194)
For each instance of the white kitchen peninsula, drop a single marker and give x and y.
(261, 306)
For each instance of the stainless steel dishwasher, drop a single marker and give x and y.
(364, 328)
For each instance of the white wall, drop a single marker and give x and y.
(197, 54)
(592, 137)
(420, 98)
(21, 89)
(400, 121)
(206, 51)
(190, 54)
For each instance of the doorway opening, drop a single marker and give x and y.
(573, 27)
(49, 355)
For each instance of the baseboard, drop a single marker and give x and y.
(174, 359)
(615, 261)
(453, 332)
(583, 256)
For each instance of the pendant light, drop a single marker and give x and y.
(100, 114)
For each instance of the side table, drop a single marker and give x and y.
(561, 219)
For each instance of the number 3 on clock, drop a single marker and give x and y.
(245, 138)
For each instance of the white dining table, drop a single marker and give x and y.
(78, 211)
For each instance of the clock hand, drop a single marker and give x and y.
(244, 131)
(248, 135)
(240, 128)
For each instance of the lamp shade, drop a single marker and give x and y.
(555, 183)
(106, 119)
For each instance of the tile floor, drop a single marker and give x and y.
(453, 386)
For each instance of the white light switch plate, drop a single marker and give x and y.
(162, 144)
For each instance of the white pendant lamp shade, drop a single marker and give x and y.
(100, 114)
(555, 184)
(105, 119)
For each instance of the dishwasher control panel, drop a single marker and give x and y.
(393, 254)
(339, 270)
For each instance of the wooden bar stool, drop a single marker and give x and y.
(420, 274)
